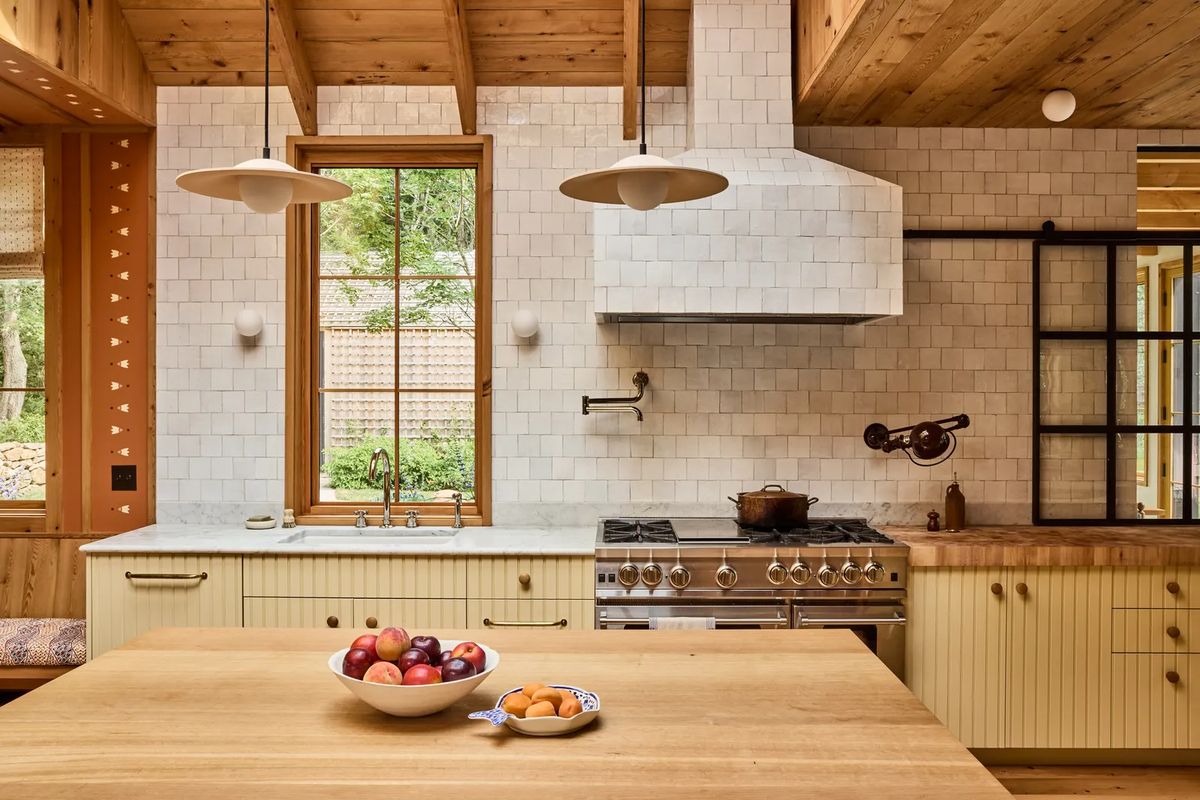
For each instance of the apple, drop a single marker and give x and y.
(458, 668)
(431, 646)
(391, 643)
(421, 675)
(367, 642)
(470, 651)
(411, 658)
(439, 670)
(445, 656)
(356, 662)
(383, 672)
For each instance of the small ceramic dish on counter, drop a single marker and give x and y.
(544, 726)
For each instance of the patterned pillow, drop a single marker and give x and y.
(43, 642)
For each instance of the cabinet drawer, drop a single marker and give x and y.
(131, 594)
(355, 576)
(1156, 587)
(531, 613)
(1149, 710)
(298, 612)
(1156, 630)
(415, 616)
(532, 577)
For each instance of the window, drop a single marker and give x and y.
(22, 330)
(391, 316)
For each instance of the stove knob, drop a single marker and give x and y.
(726, 576)
(679, 576)
(827, 576)
(652, 574)
(801, 574)
(873, 572)
(851, 572)
(628, 574)
(776, 573)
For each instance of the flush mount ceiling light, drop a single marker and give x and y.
(264, 184)
(1058, 106)
(643, 181)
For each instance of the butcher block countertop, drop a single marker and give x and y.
(1047, 546)
(255, 713)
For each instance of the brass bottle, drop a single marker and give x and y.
(956, 507)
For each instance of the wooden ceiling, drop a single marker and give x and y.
(989, 63)
(513, 42)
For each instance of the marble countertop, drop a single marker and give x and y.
(233, 540)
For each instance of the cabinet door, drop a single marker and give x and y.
(549, 614)
(1149, 708)
(1060, 673)
(957, 650)
(532, 577)
(1157, 587)
(131, 594)
(298, 612)
(416, 616)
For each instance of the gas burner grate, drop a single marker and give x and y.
(639, 531)
(821, 533)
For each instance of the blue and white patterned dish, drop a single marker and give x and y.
(543, 726)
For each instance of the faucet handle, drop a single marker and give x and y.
(360, 519)
(412, 515)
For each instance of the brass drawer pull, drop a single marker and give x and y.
(1173, 587)
(997, 589)
(524, 579)
(1022, 589)
(166, 576)
(331, 621)
(372, 622)
(1172, 676)
(558, 623)
(1172, 631)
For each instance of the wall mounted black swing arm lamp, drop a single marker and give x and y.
(933, 441)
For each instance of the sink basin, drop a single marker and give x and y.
(372, 536)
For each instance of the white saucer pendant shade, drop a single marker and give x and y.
(266, 185)
(644, 182)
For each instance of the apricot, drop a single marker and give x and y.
(570, 707)
(517, 704)
(542, 709)
(546, 694)
(529, 688)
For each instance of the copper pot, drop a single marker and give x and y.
(772, 507)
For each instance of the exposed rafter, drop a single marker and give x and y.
(629, 69)
(294, 63)
(461, 65)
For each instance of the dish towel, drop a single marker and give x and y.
(683, 623)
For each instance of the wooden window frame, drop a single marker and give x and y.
(307, 153)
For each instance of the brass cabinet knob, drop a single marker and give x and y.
(524, 579)
(331, 621)
(372, 622)
(997, 589)
(1172, 676)
(1172, 631)
(1173, 587)
(1022, 589)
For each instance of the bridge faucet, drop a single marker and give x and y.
(387, 483)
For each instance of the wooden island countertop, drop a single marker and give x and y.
(254, 713)
(1052, 546)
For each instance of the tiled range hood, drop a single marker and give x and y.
(794, 238)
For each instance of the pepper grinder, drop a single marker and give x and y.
(932, 525)
(956, 507)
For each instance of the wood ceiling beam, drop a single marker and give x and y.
(462, 66)
(631, 22)
(1168, 220)
(1168, 175)
(1163, 200)
(297, 72)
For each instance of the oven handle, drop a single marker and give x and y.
(778, 622)
(804, 622)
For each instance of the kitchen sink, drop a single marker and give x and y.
(373, 536)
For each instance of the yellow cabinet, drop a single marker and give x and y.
(532, 577)
(414, 615)
(355, 576)
(128, 595)
(1156, 630)
(1155, 700)
(516, 613)
(298, 612)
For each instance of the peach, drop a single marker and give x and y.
(546, 694)
(391, 642)
(542, 709)
(383, 672)
(517, 704)
(570, 707)
(529, 688)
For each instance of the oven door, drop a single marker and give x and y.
(632, 616)
(880, 627)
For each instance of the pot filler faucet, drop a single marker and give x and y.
(387, 483)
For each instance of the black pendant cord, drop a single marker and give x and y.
(642, 69)
(266, 79)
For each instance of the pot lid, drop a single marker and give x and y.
(772, 491)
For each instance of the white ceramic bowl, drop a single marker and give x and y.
(414, 701)
(545, 726)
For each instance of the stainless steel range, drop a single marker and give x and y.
(834, 573)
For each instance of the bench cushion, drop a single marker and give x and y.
(42, 642)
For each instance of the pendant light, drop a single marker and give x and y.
(266, 185)
(643, 181)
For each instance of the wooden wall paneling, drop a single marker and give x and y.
(122, 424)
(41, 577)
(54, 323)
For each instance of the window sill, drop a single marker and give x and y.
(30, 521)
